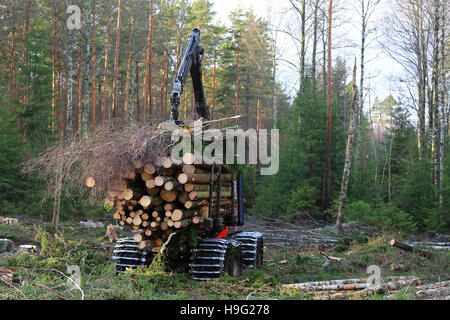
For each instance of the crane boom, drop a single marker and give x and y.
(191, 63)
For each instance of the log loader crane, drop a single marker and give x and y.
(219, 250)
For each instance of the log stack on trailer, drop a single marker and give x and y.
(161, 197)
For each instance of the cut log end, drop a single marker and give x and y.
(90, 182)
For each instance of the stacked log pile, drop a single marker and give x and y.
(159, 198)
(350, 288)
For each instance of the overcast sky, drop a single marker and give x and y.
(379, 68)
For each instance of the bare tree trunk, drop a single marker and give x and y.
(26, 95)
(274, 85)
(94, 70)
(163, 83)
(87, 68)
(77, 124)
(105, 75)
(214, 84)
(315, 43)
(361, 85)
(138, 104)
(70, 75)
(303, 44)
(348, 154)
(54, 71)
(127, 85)
(236, 89)
(12, 55)
(114, 106)
(143, 116)
(435, 133)
(443, 91)
(57, 199)
(328, 192)
(150, 61)
(423, 78)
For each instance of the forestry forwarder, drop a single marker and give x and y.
(220, 251)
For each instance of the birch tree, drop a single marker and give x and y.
(367, 8)
(348, 154)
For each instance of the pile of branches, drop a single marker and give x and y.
(107, 152)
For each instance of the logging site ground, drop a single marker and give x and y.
(292, 254)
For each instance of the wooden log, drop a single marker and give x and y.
(189, 187)
(144, 224)
(344, 284)
(150, 200)
(154, 224)
(168, 214)
(183, 196)
(137, 221)
(166, 162)
(204, 212)
(145, 201)
(153, 191)
(145, 244)
(171, 184)
(169, 207)
(182, 178)
(132, 214)
(161, 180)
(168, 195)
(90, 182)
(206, 178)
(188, 169)
(182, 223)
(127, 194)
(148, 232)
(138, 237)
(178, 214)
(204, 195)
(164, 226)
(146, 176)
(150, 184)
(145, 217)
(194, 195)
(116, 215)
(155, 214)
(194, 204)
(407, 247)
(159, 242)
(188, 158)
(150, 168)
(129, 220)
(170, 222)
